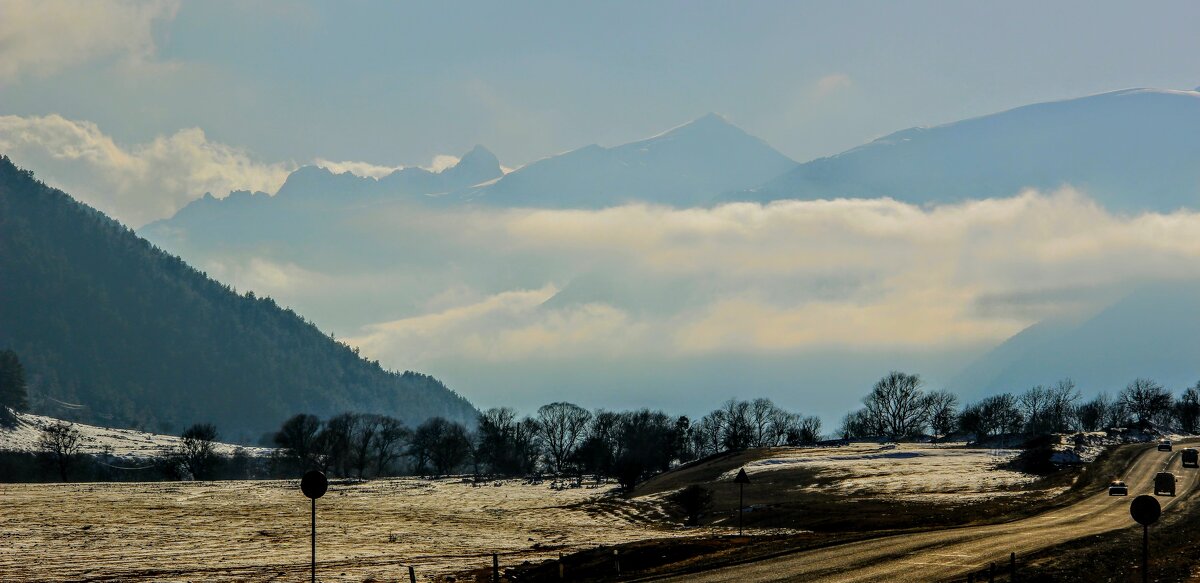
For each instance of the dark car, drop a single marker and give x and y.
(1191, 458)
(1164, 445)
(1118, 488)
(1164, 484)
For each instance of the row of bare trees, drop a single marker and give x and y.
(899, 407)
(559, 438)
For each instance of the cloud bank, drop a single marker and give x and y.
(41, 38)
(786, 277)
(137, 183)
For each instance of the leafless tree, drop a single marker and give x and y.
(899, 403)
(562, 427)
(197, 450)
(736, 427)
(707, 438)
(1146, 400)
(61, 442)
(943, 417)
(385, 444)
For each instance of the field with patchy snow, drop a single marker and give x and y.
(123, 443)
(258, 530)
(922, 471)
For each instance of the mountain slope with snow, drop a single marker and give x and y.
(686, 166)
(1131, 150)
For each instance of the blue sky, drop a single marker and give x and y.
(397, 83)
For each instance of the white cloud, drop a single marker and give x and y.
(748, 278)
(364, 169)
(442, 162)
(41, 37)
(137, 183)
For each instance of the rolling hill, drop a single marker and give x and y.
(114, 331)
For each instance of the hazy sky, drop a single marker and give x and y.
(400, 82)
(139, 107)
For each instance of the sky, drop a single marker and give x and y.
(141, 107)
(249, 90)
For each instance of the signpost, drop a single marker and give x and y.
(741, 480)
(1145, 510)
(314, 485)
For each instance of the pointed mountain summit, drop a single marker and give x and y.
(685, 166)
(1131, 150)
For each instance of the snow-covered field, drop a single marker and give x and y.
(923, 471)
(258, 530)
(122, 443)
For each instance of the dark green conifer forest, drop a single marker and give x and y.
(113, 331)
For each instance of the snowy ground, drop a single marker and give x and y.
(910, 471)
(122, 443)
(258, 530)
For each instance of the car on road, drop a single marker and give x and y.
(1164, 445)
(1118, 488)
(1191, 458)
(1164, 484)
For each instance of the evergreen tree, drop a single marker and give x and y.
(12, 382)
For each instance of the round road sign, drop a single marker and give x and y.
(1145, 510)
(314, 484)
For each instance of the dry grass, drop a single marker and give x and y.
(258, 531)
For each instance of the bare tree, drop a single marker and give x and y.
(736, 427)
(1187, 409)
(562, 427)
(385, 445)
(197, 450)
(1146, 400)
(899, 403)
(805, 431)
(1095, 415)
(994, 415)
(943, 418)
(707, 438)
(298, 438)
(61, 442)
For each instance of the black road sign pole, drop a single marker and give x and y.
(1145, 553)
(314, 540)
(1145, 510)
(314, 485)
(741, 480)
(741, 505)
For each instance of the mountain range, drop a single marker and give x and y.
(114, 331)
(1132, 150)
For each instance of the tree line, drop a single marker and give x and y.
(559, 438)
(898, 407)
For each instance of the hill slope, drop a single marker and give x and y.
(124, 334)
(1150, 333)
(1136, 149)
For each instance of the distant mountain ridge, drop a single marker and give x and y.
(1152, 332)
(114, 331)
(1131, 150)
(683, 167)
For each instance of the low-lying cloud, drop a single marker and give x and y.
(746, 278)
(136, 183)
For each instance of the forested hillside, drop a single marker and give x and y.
(111, 330)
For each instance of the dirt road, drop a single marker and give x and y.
(943, 554)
